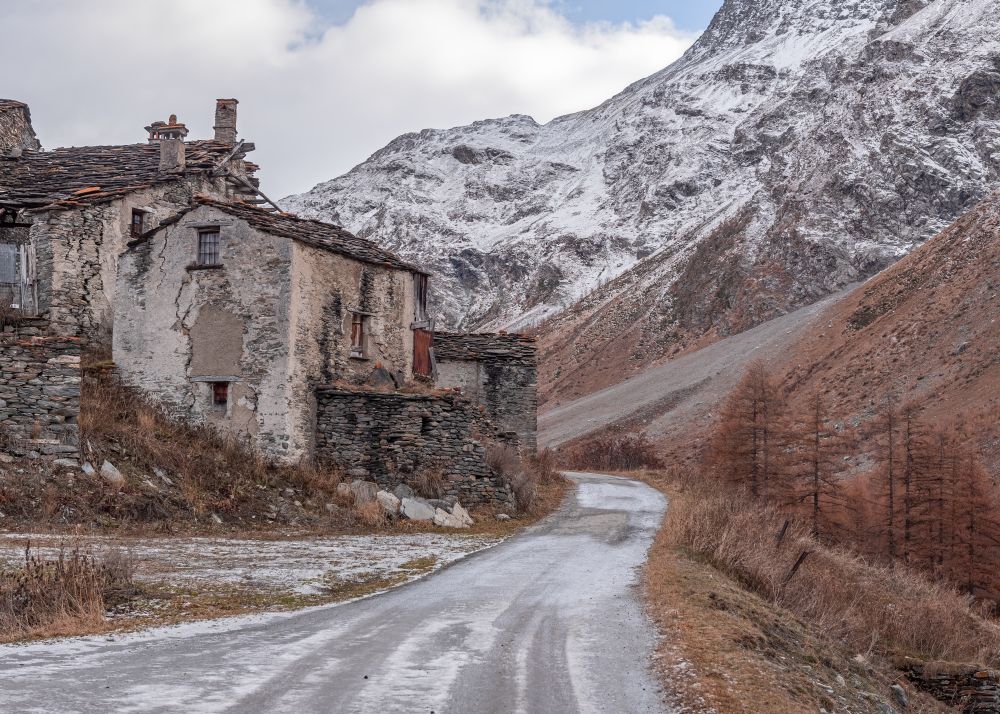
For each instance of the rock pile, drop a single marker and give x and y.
(404, 503)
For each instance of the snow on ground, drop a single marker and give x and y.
(298, 566)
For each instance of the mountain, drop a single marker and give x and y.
(927, 329)
(798, 146)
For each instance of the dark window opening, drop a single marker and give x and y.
(138, 222)
(220, 394)
(425, 425)
(359, 330)
(208, 247)
(420, 298)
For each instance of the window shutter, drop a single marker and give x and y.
(8, 263)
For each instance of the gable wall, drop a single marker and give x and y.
(176, 329)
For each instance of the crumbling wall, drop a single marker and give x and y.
(388, 437)
(79, 248)
(180, 327)
(16, 132)
(498, 371)
(39, 389)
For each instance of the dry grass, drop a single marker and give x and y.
(528, 476)
(61, 595)
(875, 610)
(429, 483)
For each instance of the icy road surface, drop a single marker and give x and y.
(548, 621)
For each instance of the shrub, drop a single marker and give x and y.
(372, 515)
(49, 594)
(626, 452)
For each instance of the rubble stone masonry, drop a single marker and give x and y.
(390, 437)
(39, 387)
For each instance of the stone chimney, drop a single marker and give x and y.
(170, 136)
(16, 133)
(225, 120)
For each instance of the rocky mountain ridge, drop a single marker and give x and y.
(797, 146)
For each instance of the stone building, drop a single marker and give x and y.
(232, 315)
(65, 218)
(498, 371)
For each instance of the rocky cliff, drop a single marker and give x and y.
(797, 146)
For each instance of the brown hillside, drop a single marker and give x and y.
(927, 329)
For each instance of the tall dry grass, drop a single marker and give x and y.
(610, 452)
(50, 596)
(528, 475)
(884, 610)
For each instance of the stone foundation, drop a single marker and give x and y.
(389, 437)
(970, 687)
(39, 389)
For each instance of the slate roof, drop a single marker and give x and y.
(317, 234)
(483, 347)
(77, 175)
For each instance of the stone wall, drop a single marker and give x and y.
(974, 689)
(16, 132)
(39, 389)
(389, 437)
(498, 371)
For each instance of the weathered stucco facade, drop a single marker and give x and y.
(271, 321)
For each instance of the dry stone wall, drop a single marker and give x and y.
(39, 389)
(974, 689)
(390, 437)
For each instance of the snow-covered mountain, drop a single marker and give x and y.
(797, 146)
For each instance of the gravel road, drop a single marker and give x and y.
(547, 622)
(684, 391)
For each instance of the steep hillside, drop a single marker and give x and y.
(797, 146)
(927, 329)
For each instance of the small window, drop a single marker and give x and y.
(138, 222)
(208, 247)
(10, 287)
(359, 334)
(419, 298)
(220, 394)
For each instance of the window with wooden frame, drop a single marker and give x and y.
(138, 222)
(10, 280)
(208, 247)
(359, 335)
(220, 394)
(419, 298)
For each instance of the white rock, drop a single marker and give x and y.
(461, 514)
(388, 501)
(503, 517)
(112, 475)
(67, 463)
(417, 509)
(446, 520)
(88, 468)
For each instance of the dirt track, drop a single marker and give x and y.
(684, 391)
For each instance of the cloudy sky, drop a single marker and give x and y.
(324, 83)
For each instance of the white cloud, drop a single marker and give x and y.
(316, 100)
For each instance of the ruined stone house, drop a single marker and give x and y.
(305, 340)
(233, 315)
(65, 218)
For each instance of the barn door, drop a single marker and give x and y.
(422, 362)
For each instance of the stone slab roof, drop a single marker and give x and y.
(325, 236)
(483, 346)
(68, 177)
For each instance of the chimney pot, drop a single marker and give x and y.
(225, 120)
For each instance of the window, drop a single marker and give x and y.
(220, 394)
(208, 247)
(419, 298)
(359, 330)
(138, 219)
(10, 285)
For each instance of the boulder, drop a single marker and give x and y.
(88, 469)
(446, 520)
(388, 501)
(112, 475)
(66, 463)
(417, 509)
(461, 514)
(364, 491)
(403, 491)
(503, 517)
